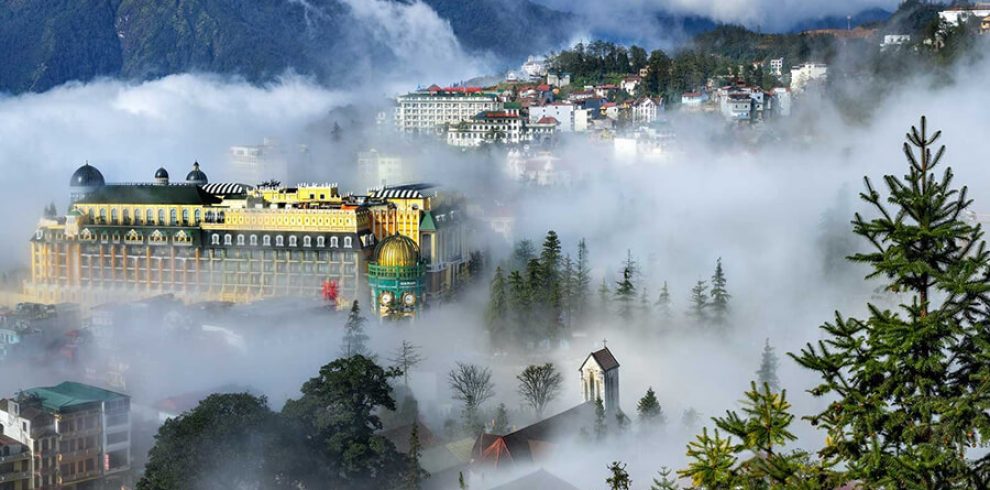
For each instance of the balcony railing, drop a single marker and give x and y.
(15, 457)
(20, 475)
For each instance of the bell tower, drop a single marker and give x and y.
(600, 379)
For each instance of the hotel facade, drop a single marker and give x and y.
(233, 242)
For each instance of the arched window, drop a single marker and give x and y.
(279, 241)
(161, 217)
(227, 239)
(307, 241)
(185, 216)
(266, 240)
(127, 216)
(196, 217)
(215, 239)
(347, 242)
(240, 240)
(114, 216)
(333, 242)
(293, 241)
(254, 240)
(137, 215)
(172, 216)
(103, 215)
(149, 216)
(321, 242)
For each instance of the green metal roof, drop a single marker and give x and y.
(426, 222)
(150, 194)
(71, 394)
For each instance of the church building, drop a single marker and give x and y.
(600, 379)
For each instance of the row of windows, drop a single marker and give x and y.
(266, 240)
(149, 216)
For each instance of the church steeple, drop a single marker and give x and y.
(600, 378)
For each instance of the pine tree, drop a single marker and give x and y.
(719, 304)
(355, 340)
(520, 302)
(909, 385)
(690, 418)
(522, 254)
(666, 481)
(550, 260)
(604, 298)
(414, 473)
(567, 291)
(619, 478)
(699, 303)
(712, 459)
(601, 427)
(497, 314)
(625, 290)
(650, 412)
(582, 281)
(767, 373)
(621, 421)
(500, 423)
(663, 304)
(645, 308)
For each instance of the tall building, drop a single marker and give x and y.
(432, 109)
(78, 436)
(376, 168)
(268, 161)
(600, 379)
(233, 242)
(806, 73)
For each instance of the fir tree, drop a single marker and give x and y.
(567, 289)
(699, 303)
(582, 280)
(625, 290)
(601, 427)
(355, 340)
(414, 473)
(690, 419)
(645, 308)
(619, 478)
(767, 373)
(604, 298)
(550, 260)
(719, 304)
(666, 481)
(520, 302)
(522, 254)
(663, 304)
(497, 313)
(909, 385)
(500, 423)
(621, 421)
(650, 412)
(712, 459)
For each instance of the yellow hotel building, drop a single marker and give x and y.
(234, 242)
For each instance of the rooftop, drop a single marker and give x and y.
(70, 394)
(177, 194)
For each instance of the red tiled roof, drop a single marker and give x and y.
(548, 120)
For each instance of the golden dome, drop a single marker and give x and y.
(397, 251)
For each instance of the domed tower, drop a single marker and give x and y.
(197, 176)
(396, 277)
(84, 180)
(161, 176)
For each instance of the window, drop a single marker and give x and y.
(240, 240)
(172, 216)
(215, 239)
(267, 240)
(196, 216)
(149, 216)
(254, 240)
(333, 242)
(278, 241)
(347, 242)
(161, 216)
(292, 241)
(226, 239)
(103, 215)
(307, 241)
(127, 216)
(320, 242)
(185, 216)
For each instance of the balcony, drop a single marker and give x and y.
(15, 457)
(20, 475)
(81, 453)
(86, 475)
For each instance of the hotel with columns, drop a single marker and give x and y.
(205, 241)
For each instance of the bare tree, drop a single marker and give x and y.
(406, 357)
(539, 385)
(471, 384)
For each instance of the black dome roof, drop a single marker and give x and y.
(197, 176)
(86, 176)
(161, 173)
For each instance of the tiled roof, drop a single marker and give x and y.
(149, 194)
(604, 358)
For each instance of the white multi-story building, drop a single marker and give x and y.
(376, 168)
(563, 112)
(807, 72)
(891, 40)
(433, 109)
(646, 109)
(962, 12)
(257, 163)
(505, 126)
(777, 67)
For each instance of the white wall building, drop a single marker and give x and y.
(432, 109)
(631, 84)
(807, 72)
(959, 13)
(563, 112)
(891, 40)
(777, 67)
(646, 109)
(380, 169)
(258, 163)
